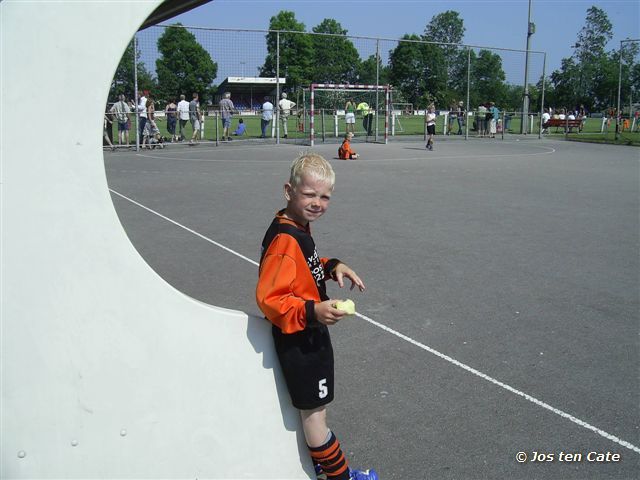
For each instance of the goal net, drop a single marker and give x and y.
(335, 109)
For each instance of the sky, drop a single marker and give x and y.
(491, 23)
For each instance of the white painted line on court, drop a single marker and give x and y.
(509, 388)
(160, 156)
(183, 227)
(422, 346)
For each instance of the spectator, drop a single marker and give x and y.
(226, 112)
(241, 128)
(453, 116)
(461, 113)
(195, 117)
(149, 123)
(267, 116)
(142, 110)
(106, 125)
(546, 116)
(582, 114)
(367, 117)
(481, 121)
(183, 116)
(171, 112)
(350, 116)
(493, 114)
(285, 110)
(121, 111)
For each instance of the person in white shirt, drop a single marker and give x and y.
(285, 110)
(267, 116)
(142, 111)
(121, 111)
(546, 116)
(183, 115)
(430, 119)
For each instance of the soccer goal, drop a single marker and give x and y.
(372, 101)
(398, 110)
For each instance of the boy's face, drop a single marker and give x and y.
(308, 200)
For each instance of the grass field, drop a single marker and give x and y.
(406, 125)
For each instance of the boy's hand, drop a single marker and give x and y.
(327, 313)
(342, 271)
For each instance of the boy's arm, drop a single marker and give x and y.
(337, 271)
(276, 299)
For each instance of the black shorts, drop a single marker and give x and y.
(431, 129)
(306, 359)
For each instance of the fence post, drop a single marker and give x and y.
(135, 87)
(387, 107)
(322, 121)
(217, 133)
(277, 115)
(335, 124)
(425, 125)
(376, 110)
(312, 119)
(466, 113)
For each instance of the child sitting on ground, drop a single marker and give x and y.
(241, 128)
(345, 152)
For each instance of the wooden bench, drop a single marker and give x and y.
(556, 122)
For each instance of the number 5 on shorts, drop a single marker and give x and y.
(323, 390)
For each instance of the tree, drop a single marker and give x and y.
(184, 66)
(406, 68)
(296, 51)
(582, 78)
(487, 79)
(335, 59)
(367, 70)
(124, 80)
(448, 28)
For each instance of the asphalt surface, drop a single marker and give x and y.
(516, 261)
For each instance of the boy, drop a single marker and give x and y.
(241, 128)
(345, 152)
(291, 292)
(430, 119)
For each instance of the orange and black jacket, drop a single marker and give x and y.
(292, 276)
(345, 152)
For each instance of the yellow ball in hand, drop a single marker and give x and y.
(347, 307)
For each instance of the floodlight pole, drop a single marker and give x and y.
(531, 28)
(544, 66)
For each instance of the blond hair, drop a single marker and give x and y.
(313, 164)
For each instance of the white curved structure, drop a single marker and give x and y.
(108, 371)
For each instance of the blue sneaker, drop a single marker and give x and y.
(363, 474)
(320, 475)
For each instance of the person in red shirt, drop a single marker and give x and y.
(344, 151)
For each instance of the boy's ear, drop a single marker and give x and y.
(287, 191)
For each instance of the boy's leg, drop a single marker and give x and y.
(323, 445)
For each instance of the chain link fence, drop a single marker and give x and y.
(476, 91)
